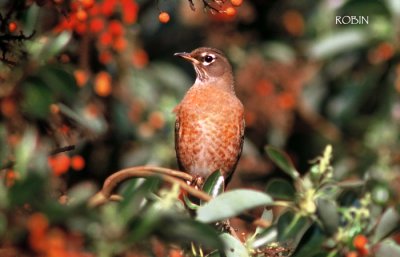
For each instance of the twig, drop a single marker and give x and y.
(207, 5)
(62, 149)
(168, 175)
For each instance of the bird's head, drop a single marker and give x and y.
(210, 64)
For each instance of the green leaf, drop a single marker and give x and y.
(80, 193)
(32, 190)
(24, 152)
(268, 216)
(328, 214)
(55, 45)
(280, 189)
(214, 254)
(214, 185)
(265, 237)
(387, 248)
(279, 51)
(60, 82)
(283, 161)
(37, 99)
(230, 204)
(389, 221)
(233, 247)
(145, 225)
(191, 205)
(312, 246)
(338, 42)
(291, 228)
(182, 229)
(134, 194)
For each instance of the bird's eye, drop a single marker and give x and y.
(208, 58)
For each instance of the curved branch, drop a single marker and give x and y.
(168, 175)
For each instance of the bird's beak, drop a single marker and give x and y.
(187, 56)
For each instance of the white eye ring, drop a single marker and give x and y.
(208, 59)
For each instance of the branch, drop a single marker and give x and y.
(169, 175)
(62, 149)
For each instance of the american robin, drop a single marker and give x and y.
(209, 124)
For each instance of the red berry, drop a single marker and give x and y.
(230, 11)
(163, 17)
(12, 27)
(236, 2)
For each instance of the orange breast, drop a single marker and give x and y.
(209, 133)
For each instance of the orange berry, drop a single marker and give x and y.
(130, 10)
(115, 28)
(96, 25)
(81, 77)
(81, 15)
(286, 100)
(175, 253)
(230, 11)
(163, 17)
(80, 28)
(120, 44)
(105, 39)
(264, 87)
(108, 7)
(293, 22)
(10, 178)
(352, 254)
(105, 57)
(236, 2)
(140, 59)
(156, 120)
(8, 107)
(360, 241)
(77, 162)
(12, 27)
(87, 3)
(59, 164)
(102, 84)
(54, 108)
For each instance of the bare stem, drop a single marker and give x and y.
(168, 175)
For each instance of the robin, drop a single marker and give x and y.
(209, 126)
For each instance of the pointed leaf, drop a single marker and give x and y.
(268, 216)
(389, 221)
(312, 246)
(191, 205)
(214, 254)
(265, 237)
(291, 228)
(280, 189)
(233, 247)
(184, 229)
(387, 248)
(283, 161)
(214, 184)
(327, 211)
(231, 203)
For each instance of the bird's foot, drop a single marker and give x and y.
(197, 182)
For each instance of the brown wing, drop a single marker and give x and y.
(242, 128)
